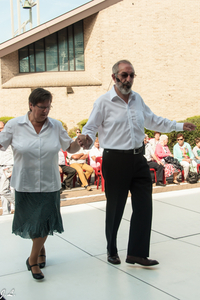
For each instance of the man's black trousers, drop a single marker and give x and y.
(123, 173)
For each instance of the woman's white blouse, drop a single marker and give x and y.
(35, 155)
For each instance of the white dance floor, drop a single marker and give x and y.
(77, 267)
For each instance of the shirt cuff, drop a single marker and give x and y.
(179, 126)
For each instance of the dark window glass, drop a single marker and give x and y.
(79, 46)
(71, 48)
(32, 58)
(39, 56)
(51, 52)
(23, 58)
(60, 51)
(63, 50)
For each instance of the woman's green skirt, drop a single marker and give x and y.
(37, 214)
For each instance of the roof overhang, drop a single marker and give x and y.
(52, 79)
(54, 25)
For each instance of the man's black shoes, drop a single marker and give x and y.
(144, 261)
(63, 188)
(160, 184)
(114, 259)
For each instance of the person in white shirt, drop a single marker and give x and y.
(78, 132)
(67, 170)
(6, 167)
(36, 140)
(196, 150)
(119, 117)
(155, 140)
(153, 161)
(78, 162)
(95, 152)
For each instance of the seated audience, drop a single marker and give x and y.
(95, 152)
(67, 170)
(163, 151)
(78, 132)
(196, 151)
(78, 162)
(6, 167)
(183, 152)
(153, 161)
(155, 140)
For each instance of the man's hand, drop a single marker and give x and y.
(84, 141)
(160, 162)
(189, 126)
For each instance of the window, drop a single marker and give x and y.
(60, 51)
(39, 56)
(24, 61)
(63, 50)
(51, 49)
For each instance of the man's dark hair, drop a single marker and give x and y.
(197, 140)
(155, 132)
(39, 95)
(179, 135)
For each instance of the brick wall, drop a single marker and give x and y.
(161, 39)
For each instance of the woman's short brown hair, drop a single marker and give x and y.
(39, 95)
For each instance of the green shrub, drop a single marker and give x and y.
(82, 123)
(72, 132)
(189, 136)
(150, 133)
(64, 125)
(6, 119)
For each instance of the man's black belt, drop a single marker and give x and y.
(131, 151)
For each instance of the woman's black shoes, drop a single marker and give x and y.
(37, 276)
(42, 264)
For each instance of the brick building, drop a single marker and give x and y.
(161, 39)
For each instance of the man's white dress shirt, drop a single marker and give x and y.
(121, 125)
(95, 152)
(61, 158)
(148, 152)
(77, 161)
(35, 155)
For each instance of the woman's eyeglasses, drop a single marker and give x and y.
(44, 107)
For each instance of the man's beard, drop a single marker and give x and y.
(124, 88)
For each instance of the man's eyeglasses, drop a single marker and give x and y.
(44, 107)
(179, 139)
(78, 132)
(124, 75)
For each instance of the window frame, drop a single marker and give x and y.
(58, 57)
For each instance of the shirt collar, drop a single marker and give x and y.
(113, 95)
(25, 120)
